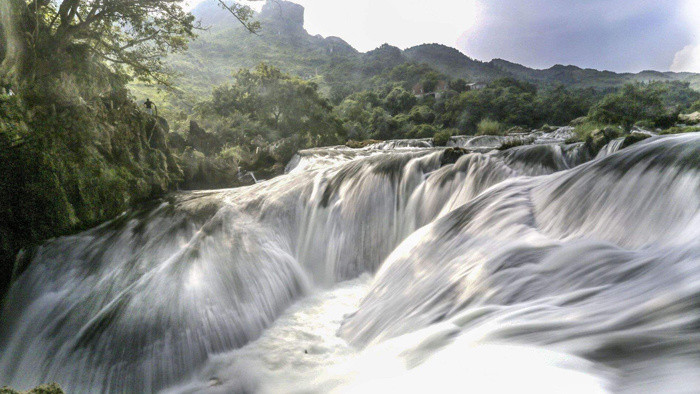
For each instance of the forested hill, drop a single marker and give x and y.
(580, 77)
(335, 65)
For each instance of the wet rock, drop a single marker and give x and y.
(451, 155)
(600, 137)
(548, 129)
(361, 144)
(202, 141)
(633, 139)
(579, 121)
(51, 388)
(177, 141)
(203, 172)
(283, 150)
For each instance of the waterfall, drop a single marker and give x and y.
(537, 245)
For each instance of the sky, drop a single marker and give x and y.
(616, 35)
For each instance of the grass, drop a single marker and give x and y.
(583, 131)
(490, 127)
(680, 129)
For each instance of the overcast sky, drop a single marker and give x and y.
(617, 35)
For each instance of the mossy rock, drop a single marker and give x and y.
(579, 121)
(599, 137)
(690, 119)
(361, 144)
(441, 138)
(517, 130)
(633, 139)
(451, 155)
(51, 388)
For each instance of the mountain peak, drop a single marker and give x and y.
(284, 12)
(284, 16)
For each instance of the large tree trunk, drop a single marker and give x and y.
(13, 41)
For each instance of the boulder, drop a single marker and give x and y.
(600, 137)
(451, 155)
(579, 121)
(283, 150)
(693, 118)
(202, 141)
(633, 139)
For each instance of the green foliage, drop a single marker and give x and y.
(274, 105)
(634, 102)
(129, 38)
(70, 167)
(399, 101)
(506, 100)
(442, 137)
(490, 127)
(422, 131)
(694, 107)
(680, 130)
(422, 114)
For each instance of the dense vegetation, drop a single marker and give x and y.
(75, 149)
(256, 123)
(258, 120)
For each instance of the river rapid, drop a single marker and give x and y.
(396, 267)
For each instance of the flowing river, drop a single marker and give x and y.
(396, 267)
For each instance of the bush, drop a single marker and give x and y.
(441, 137)
(695, 106)
(422, 131)
(490, 127)
(422, 114)
(632, 103)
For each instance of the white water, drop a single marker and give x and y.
(524, 270)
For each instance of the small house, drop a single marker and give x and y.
(420, 91)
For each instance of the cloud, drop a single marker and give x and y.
(366, 24)
(688, 58)
(617, 35)
(623, 35)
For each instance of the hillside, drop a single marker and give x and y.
(454, 63)
(335, 65)
(579, 77)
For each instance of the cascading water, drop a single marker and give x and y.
(586, 271)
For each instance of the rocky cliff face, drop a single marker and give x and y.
(283, 13)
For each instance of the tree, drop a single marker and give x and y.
(399, 100)
(285, 105)
(632, 103)
(130, 37)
